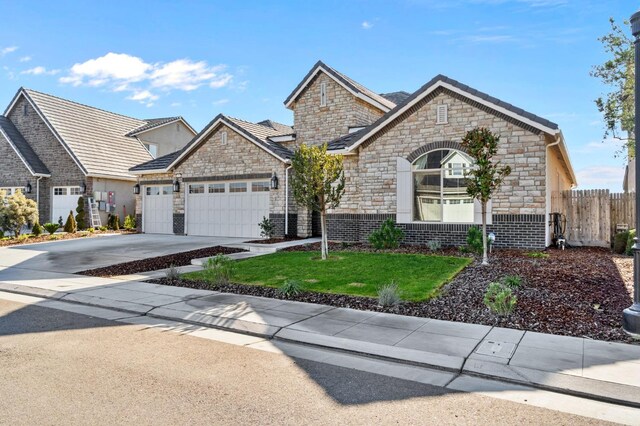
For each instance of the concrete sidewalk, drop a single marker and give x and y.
(583, 367)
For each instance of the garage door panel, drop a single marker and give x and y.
(234, 214)
(157, 215)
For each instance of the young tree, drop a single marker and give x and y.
(70, 226)
(318, 183)
(486, 176)
(17, 211)
(617, 106)
(80, 214)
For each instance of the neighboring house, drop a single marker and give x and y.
(402, 157)
(57, 150)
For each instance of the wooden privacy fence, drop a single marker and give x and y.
(594, 216)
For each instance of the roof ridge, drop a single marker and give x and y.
(80, 104)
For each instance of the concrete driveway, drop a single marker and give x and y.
(70, 256)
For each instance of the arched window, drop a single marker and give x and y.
(439, 187)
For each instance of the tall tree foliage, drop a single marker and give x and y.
(486, 176)
(617, 106)
(318, 183)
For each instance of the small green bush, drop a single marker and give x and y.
(130, 222)
(103, 228)
(538, 255)
(512, 281)
(173, 274)
(267, 228)
(113, 222)
(290, 288)
(70, 225)
(91, 230)
(474, 239)
(500, 299)
(37, 229)
(22, 238)
(630, 242)
(620, 242)
(54, 237)
(221, 268)
(434, 245)
(388, 295)
(80, 214)
(388, 236)
(51, 227)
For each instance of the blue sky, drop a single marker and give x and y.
(242, 58)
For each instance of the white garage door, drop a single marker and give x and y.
(65, 199)
(157, 213)
(227, 209)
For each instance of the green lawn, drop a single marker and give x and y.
(359, 274)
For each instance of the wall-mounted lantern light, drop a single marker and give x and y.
(136, 189)
(83, 188)
(27, 188)
(274, 181)
(176, 185)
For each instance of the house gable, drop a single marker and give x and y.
(169, 137)
(16, 172)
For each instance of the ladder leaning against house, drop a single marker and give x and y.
(94, 213)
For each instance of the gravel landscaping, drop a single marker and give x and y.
(45, 238)
(576, 292)
(160, 262)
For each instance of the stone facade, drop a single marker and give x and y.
(64, 170)
(315, 125)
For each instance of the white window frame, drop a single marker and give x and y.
(10, 190)
(442, 114)
(323, 94)
(148, 146)
(223, 138)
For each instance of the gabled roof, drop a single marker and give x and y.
(15, 139)
(256, 133)
(153, 123)
(282, 128)
(396, 97)
(352, 86)
(94, 138)
(159, 164)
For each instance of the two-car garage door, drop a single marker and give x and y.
(228, 209)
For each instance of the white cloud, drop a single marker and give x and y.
(176, 104)
(601, 177)
(121, 72)
(221, 102)
(609, 147)
(7, 50)
(366, 25)
(24, 59)
(40, 71)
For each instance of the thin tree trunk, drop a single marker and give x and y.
(485, 258)
(323, 225)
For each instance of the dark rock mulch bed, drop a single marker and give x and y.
(576, 292)
(276, 240)
(367, 248)
(160, 262)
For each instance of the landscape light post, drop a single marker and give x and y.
(631, 315)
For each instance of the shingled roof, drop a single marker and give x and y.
(95, 139)
(28, 156)
(353, 86)
(160, 163)
(152, 123)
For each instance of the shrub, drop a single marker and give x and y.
(130, 222)
(388, 295)
(172, 273)
(629, 248)
(16, 211)
(113, 222)
(290, 288)
(54, 237)
(500, 299)
(103, 228)
(474, 239)
(512, 281)
(267, 228)
(70, 225)
(37, 229)
(22, 238)
(538, 255)
(620, 242)
(221, 268)
(91, 230)
(387, 237)
(434, 245)
(60, 222)
(51, 227)
(80, 215)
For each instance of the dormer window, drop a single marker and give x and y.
(323, 94)
(152, 148)
(25, 110)
(442, 114)
(223, 138)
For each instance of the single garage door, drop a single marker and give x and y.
(227, 209)
(65, 199)
(157, 213)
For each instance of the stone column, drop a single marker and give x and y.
(304, 222)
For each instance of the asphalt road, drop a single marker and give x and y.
(58, 367)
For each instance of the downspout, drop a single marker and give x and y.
(38, 192)
(286, 200)
(547, 233)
